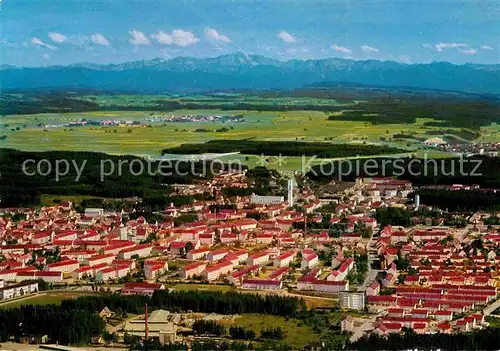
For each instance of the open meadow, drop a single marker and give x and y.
(44, 298)
(138, 125)
(22, 132)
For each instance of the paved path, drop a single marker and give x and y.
(26, 297)
(491, 308)
(362, 329)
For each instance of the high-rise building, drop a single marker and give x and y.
(290, 192)
(417, 201)
(352, 300)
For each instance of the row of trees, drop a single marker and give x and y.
(419, 171)
(63, 324)
(199, 301)
(285, 148)
(214, 328)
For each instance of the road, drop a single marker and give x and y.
(491, 308)
(362, 329)
(372, 256)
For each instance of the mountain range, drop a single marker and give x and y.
(243, 71)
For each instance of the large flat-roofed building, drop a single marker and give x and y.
(160, 325)
(352, 300)
(266, 200)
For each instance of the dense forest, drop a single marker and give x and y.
(81, 321)
(446, 171)
(449, 114)
(487, 339)
(460, 200)
(284, 148)
(101, 176)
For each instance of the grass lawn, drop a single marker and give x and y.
(211, 287)
(48, 200)
(297, 334)
(493, 321)
(46, 299)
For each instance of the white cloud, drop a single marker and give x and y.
(183, 38)
(486, 47)
(214, 35)
(99, 39)
(341, 49)
(439, 47)
(46, 56)
(404, 59)
(469, 51)
(162, 38)
(291, 51)
(178, 37)
(286, 37)
(57, 37)
(367, 48)
(427, 46)
(37, 42)
(138, 38)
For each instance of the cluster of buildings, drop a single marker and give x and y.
(450, 279)
(446, 276)
(204, 118)
(487, 149)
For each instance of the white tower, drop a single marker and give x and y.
(290, 192)
(417, 201)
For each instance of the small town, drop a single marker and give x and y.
(435, 275)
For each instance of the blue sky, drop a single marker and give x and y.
(53, 32)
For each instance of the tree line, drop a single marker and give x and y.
(284, 148)
(20, 188)
(419, 171)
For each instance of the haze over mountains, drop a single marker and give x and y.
(242, 71)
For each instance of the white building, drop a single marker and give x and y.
(196, 254)
(266, 200)
(258, 259)
(352, 300)
(94, 212)
(284, 259)
(8, 292)
(214, 272)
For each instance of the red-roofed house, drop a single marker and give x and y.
(141, 288)
(197, 254)
(63, 266)
(217, 255)
(141, 250)
(261, 284)
(214, 272)
(192, 269)
(284, 259)
(258, 258)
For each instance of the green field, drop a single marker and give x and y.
(43, 299)
(45, 131)
(51, 200)
(294, 125)
(297, 334)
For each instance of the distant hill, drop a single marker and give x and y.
(242, 71)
